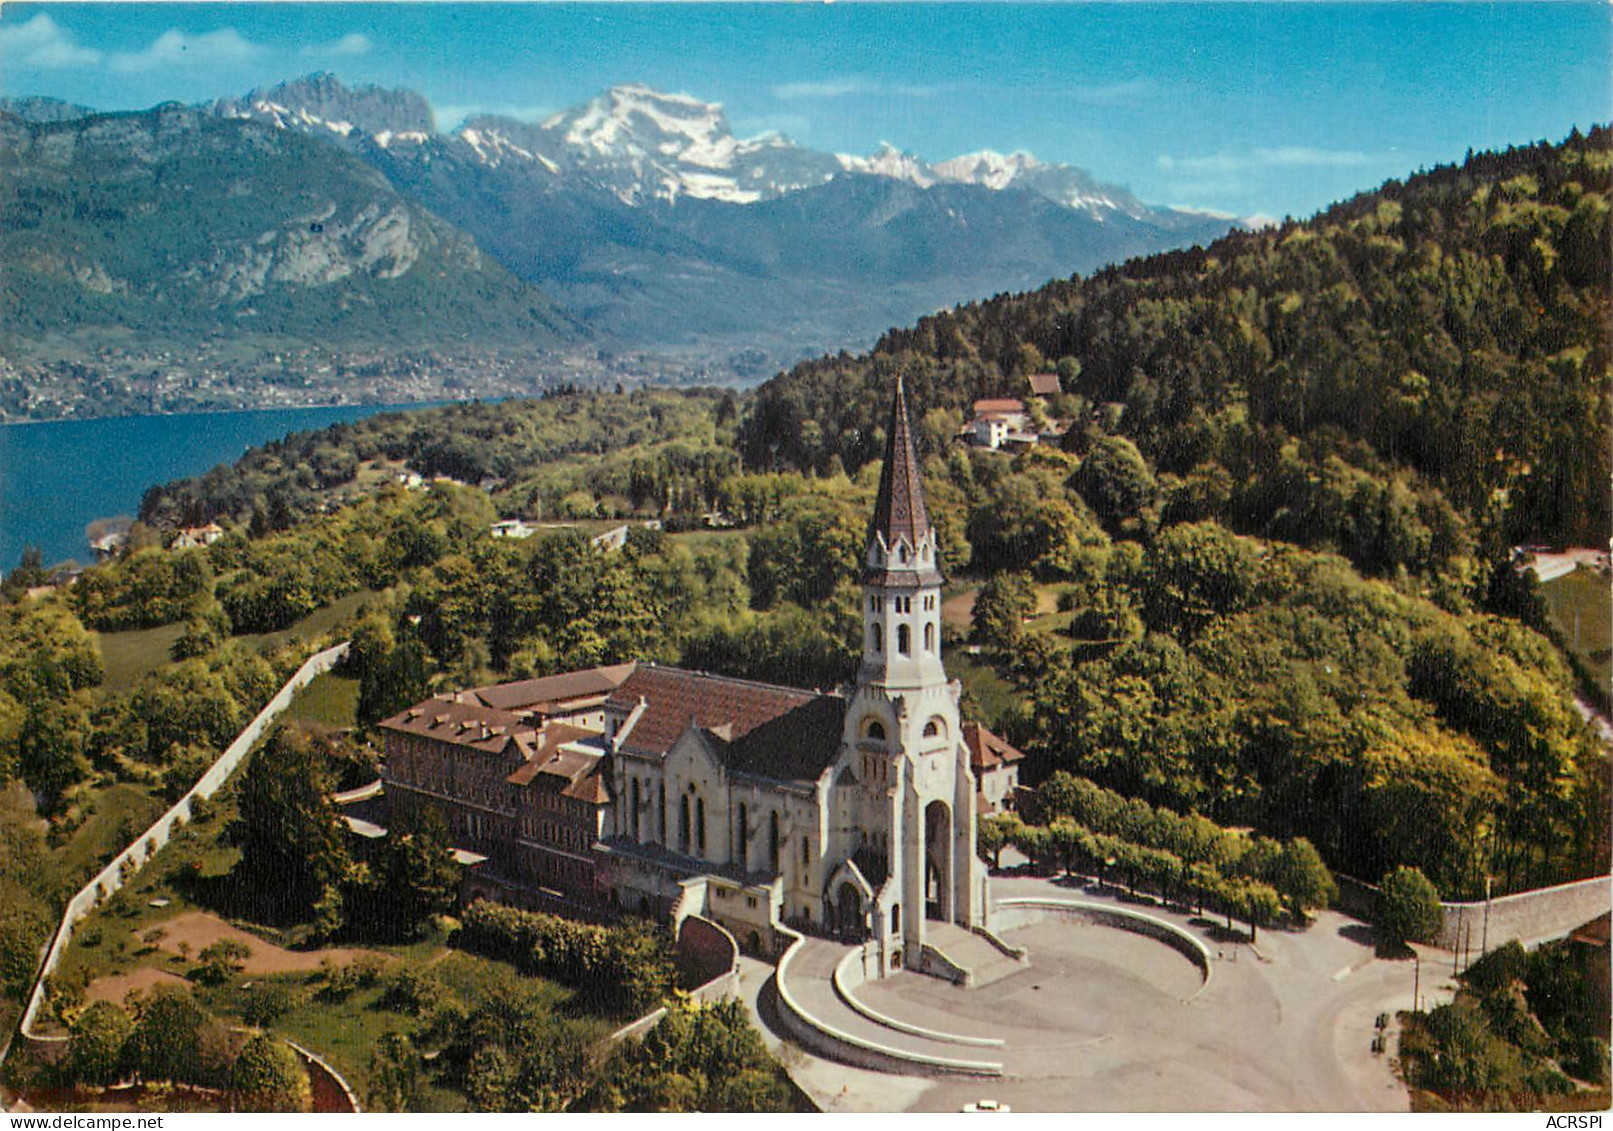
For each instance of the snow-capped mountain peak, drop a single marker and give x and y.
(888, 161)
(644, 145)
(635, 120)
(987, 167)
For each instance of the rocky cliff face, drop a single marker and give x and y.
(178, 221)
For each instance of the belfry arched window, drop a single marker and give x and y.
(929, 637)
(874, 730)
(904, 640)
(879, 638)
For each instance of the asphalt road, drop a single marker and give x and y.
(1105, 1020)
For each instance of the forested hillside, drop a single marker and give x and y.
(1449, 330)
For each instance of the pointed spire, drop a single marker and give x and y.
(899, 507)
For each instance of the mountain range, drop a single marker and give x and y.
(636, 219)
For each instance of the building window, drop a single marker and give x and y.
(806, 852)
(635, 814)
(661, 815)
(683, 824)
(929, 637)
(904, 640)
(700, 823)
(875, 730)
(879, 638)
(772, 841)
(932, 728)
(896, 918)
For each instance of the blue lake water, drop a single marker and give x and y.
(57, 478)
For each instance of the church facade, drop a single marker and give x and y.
(759, 806)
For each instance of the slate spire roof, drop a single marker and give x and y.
(899, 507)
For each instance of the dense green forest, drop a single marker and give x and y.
(569, 455)
(1445, 332)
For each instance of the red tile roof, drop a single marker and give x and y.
(590, 787)
(554, 690)
(987, 750)
(674, 696)
(463, 724)
(998, 405)
(783, 733)
(548, 756)
(1045, 384)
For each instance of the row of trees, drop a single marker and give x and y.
(1178, 858)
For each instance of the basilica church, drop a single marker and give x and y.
(653, 789)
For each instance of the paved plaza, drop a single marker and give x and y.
(1107, 1020)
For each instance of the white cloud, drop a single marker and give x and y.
(1305, 156)
(174, 48)
(846, 86)
(832, 88)
(41, 42)
(1287, 156)
(353, 43)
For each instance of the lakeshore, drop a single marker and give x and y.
(57, 477)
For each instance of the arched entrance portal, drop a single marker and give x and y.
(849, 913)
(938, 861)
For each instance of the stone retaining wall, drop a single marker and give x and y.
(1008, 914)
(128, 862)
(851, 972)
(825, 1040)
(705, 945)
(1530, 917)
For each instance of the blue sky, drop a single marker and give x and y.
(1244, 107)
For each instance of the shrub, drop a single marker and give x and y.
(267, 1002)
(268, 1076)
(413, 992)
(1408, 909)
(621, 969)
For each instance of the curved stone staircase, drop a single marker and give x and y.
(818, 1009)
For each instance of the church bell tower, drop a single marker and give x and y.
(901, 573)
(903, 739)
